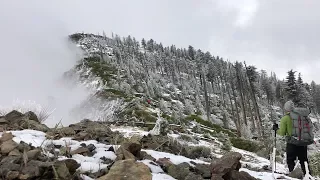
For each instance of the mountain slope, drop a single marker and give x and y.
(194, 91)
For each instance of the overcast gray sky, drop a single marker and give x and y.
(275, 35)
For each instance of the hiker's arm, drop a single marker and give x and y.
(283, 126)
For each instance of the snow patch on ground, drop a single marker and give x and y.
(265, 175)
(257, 161)
(154, 168)
(175, 159)
(88, 164)
(94, 163)
(130, 131)
(158, 176)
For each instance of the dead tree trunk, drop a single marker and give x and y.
(241, 95)
(237, 122)
(256, 107)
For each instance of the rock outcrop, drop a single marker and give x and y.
(227, 168)
(16, 120)
(128, 169)
(87, 130)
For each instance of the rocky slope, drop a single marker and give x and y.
(95, 150)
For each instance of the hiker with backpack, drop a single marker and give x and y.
(297, 128)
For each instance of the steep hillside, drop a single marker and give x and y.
(195, 92)
(186, 84)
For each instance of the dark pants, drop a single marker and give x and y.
(294, 152)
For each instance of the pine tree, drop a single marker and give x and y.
(191, 52)
(150, 45)
(302, 93)
(291, 87)
(143, 43)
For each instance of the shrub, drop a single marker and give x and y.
(245, 144)
(226, 144)
(145, 116)
(217, 128)
(207, 135)
(314, 161)
(185, 137)
(195, 152)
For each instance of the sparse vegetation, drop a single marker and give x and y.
(216, 128)
(315, 164)
(186, 137)
(245, 144)
(195, 152)
(226, 144)
(145, 115)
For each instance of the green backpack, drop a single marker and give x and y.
(302, 130)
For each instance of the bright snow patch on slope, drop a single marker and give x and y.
(175, 159)
(159, 176)
(153, 167)
(265, 175)
(130, 131)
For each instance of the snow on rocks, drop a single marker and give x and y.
(89, 150)
(175, 159)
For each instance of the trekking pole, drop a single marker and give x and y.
(275, 149)
(275, 128)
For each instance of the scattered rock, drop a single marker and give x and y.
(31, 170)
(123, 154)
(3, 120)
(32, 116)
(106, 160)
(179, 171)
(235, 175)
(72, 165)
(8, 146)
(23, 146)
(62, 171)
(81, 150)
(11, 175)
(134, 147)
(164, 163)
(67, 131)
(100, 173)
(203, 170)
(111, 149)
(33, 154)
(31, 124)
(13, 116)
(144, 155)
(228, 162)
(15, 120)
(82, 136)
(91, 147)
(227, 168)
(11, 160)
(6, 168)
(192, 176)
(129, 170)
(5, 137)
(15, 152)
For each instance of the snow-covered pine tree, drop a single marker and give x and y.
(291, 87)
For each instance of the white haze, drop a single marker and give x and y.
(34, 54)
